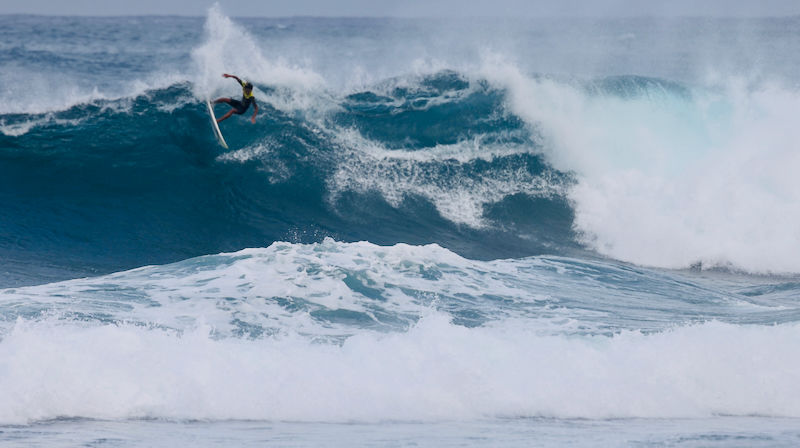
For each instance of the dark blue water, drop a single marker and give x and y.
(124, 188)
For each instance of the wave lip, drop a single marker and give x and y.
(670, 175)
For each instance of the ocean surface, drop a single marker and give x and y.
(475, 232)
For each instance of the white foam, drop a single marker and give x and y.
(246, 154)
(458, 194)
(670, 181)
(244, 286)
(17, 129)
(160, 342)
(434, 371)
(44, 93)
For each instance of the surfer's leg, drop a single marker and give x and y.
(222, 100)
(226, 116)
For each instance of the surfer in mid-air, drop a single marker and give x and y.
(240, 107)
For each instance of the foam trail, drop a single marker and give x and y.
(366, 165)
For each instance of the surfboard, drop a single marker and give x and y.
(214, 124)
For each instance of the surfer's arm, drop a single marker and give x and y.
(255, 111)
(225, 75)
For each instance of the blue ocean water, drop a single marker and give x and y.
(437, 233)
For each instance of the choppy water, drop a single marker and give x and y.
(438, 233)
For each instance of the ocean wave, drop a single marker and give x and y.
(600, 151)
(355, 332)
(150, 166)
(641, 169)
(331, 290)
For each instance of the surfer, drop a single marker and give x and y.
(240, 107)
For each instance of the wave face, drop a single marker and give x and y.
(430, 221)
(143, 181)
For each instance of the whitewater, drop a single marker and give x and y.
(474, 232)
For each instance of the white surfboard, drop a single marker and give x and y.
(214, 124)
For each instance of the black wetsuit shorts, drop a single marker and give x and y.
(241, 106)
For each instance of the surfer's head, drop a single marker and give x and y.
(248, 87)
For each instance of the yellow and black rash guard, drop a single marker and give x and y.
(247, 99)
(245, 95)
